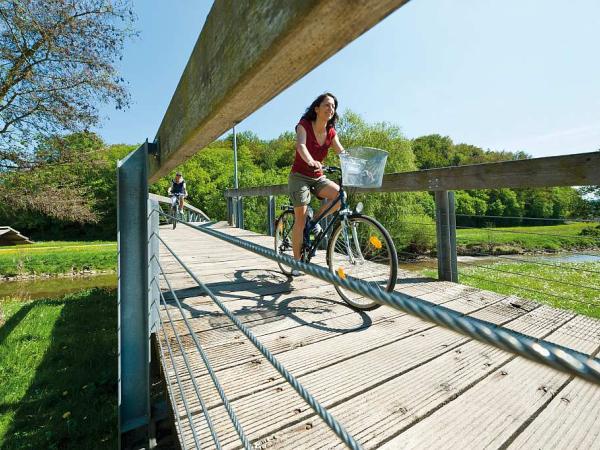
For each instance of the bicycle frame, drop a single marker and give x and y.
(309, 249)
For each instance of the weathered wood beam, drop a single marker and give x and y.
(247, 53)
(581, 169)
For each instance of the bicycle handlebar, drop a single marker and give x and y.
(331, 169)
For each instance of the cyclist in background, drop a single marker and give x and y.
(178, 188)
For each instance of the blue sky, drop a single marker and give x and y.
(504, 75)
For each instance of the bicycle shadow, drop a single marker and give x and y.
(264, 288)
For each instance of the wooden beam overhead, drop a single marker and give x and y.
(247, 53)
(582, 169)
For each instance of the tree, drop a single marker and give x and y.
(57, 63)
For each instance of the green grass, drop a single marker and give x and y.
(58, 366)
(529, 239)
(570, 286)
(57, 258)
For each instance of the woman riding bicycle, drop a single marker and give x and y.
(315, 134)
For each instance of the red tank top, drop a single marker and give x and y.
(318, 152)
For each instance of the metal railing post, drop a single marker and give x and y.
(452, 230)
(442, 225)
(133, 320)
(271, 215)
(153, 270)
(230, 211)
(240, 213)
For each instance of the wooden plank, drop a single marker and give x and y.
(490, 413)
(385, 411)
(313, 313)
(568, 170)
(301, 351)
(572, 418)
(269, 411)
(383, 380)
(246, 54)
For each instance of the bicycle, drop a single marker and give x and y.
(359, 247)
(174, 210)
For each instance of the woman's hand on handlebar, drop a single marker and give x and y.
(316, 165)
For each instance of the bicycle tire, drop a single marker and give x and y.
(381, 268)
(175, 216)
(283, 238)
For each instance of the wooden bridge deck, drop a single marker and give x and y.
(394, 381)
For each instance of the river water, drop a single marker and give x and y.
(54, 287)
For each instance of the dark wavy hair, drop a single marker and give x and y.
(311, 115)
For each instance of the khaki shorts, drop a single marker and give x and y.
(300, 187)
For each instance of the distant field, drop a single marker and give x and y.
(539, 238)
(57, 257)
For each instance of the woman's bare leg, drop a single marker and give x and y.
(298, 231)
(330, 193)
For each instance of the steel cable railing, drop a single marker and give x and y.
(192, 377)
(181, 390)
(234, 420)
(553, 355)
(337, 428)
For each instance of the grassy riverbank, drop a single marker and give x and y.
(57, 257)
(58, 366)
(570, 286)
(551, 238)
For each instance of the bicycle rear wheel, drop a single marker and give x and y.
(283, 238)
(361, 248)
(175, 214)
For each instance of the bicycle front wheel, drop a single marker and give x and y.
(283, 238)
(175, 216)
(361, 248)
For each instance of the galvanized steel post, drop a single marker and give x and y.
(271, 215)
(237, 200)
(153, 270)
(240, 213)
(230, 211)
(452, 225)
(133, 320)
(444, 250)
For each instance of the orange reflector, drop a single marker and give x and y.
(341, 273)
(375, 242)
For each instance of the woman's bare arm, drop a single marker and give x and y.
(303, 150)
(337, 146)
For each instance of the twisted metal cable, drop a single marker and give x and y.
(181, 390)
(190, 371)
(170, 393)
(234, 420)
(556, 356)
(337, 428)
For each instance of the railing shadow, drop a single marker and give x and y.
(266, 287)
(77, 375)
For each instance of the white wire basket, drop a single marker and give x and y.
(363, 166)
